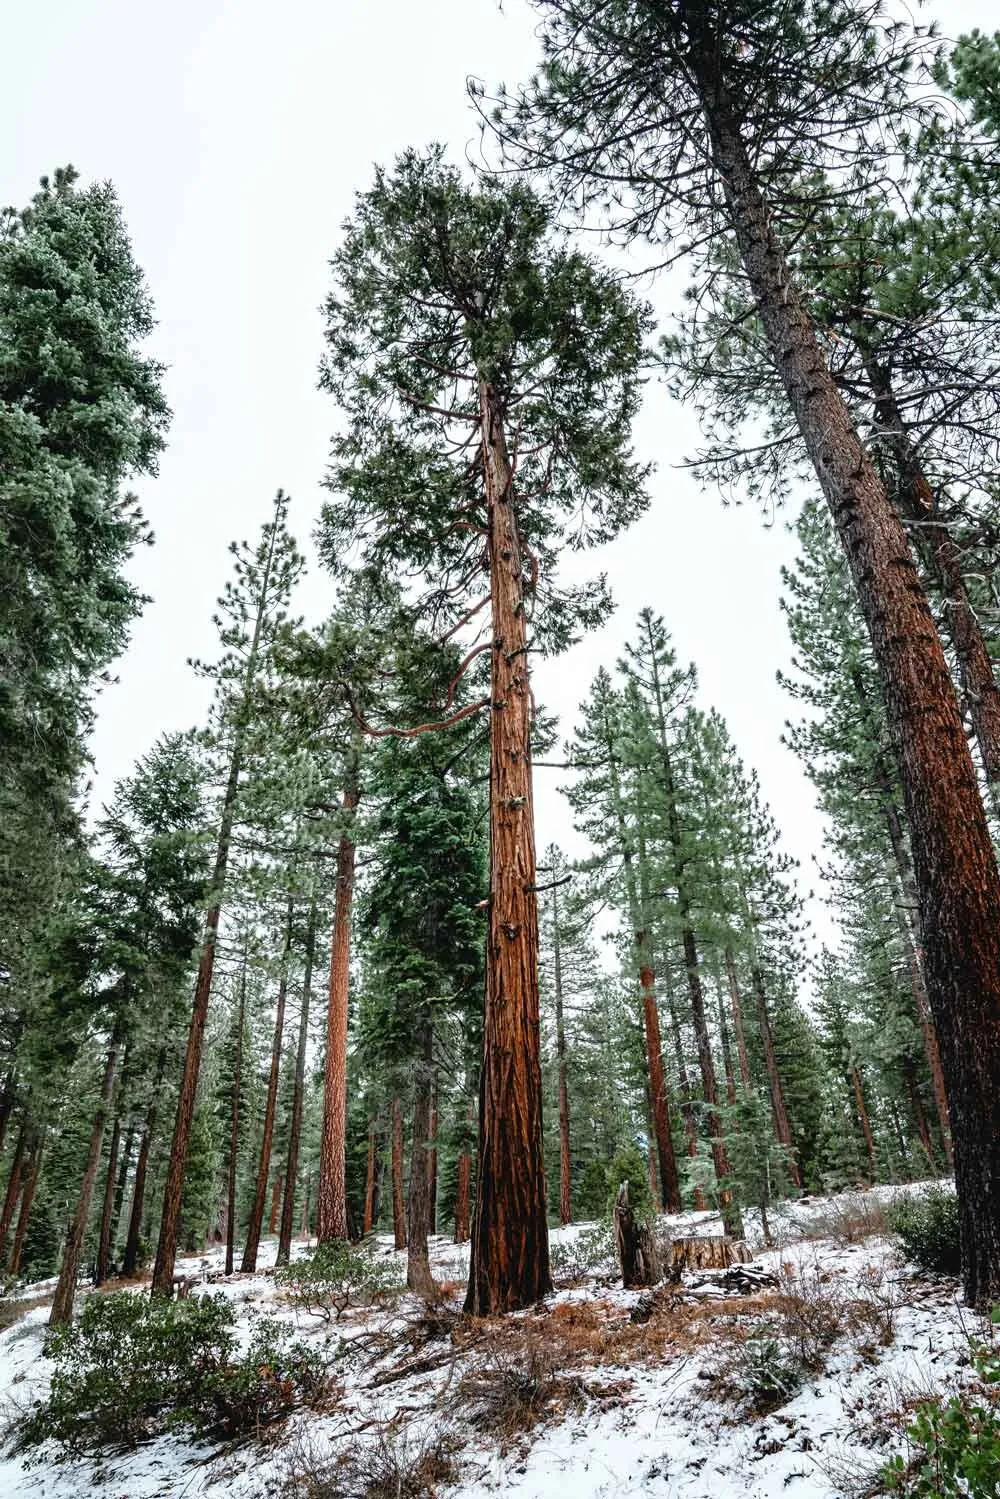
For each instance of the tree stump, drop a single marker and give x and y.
(707, 1252)
(636, 1248)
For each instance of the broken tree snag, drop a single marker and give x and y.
(640, 1263)
(707, 1252)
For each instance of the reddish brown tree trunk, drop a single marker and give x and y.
(14, 1180)
(782, 1125)
(234, 1119)
(62, 1301)
(27, 1203)
(249, 1261)
(102, 1267)
(7, 1096)
(727, 1051)
(418, 1268)
(462, 1186)
(955, 866)
(331, 1201)
(398, 1208)
(730, 1211)
(652, 1169)
(130, 1259)
(125, 1163)
(276, 1194)
(509, 1261)
(298, 1098)
(306, 1193)
(368, 1221)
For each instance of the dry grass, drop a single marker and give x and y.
(847, 1220)
(389, 1464)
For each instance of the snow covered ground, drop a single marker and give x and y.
(631, 1394)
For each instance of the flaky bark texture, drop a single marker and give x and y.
(509, 1262)
(687, 1109)
(256, 1223)
(565, 1157)
(432, 1158)
(398, 1208)
(955, 867)
(368, 1218)
(418, 1267)
(331, 1200)
(298, 1100)
(463, 1192)
(62, 1301)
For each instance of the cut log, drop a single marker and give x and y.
(637, 1254)
(707, 1252)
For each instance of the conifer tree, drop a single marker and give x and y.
(493, 371)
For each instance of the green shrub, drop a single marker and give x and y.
(135, 1366)
(629, 1164)
(589, 1250)
(928, 1230)
(956, 1445)
(767, 1374)
(336, 1276)
(590, 1196)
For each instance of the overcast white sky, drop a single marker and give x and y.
(236, 133)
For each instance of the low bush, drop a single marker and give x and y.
(592, 1249)
(336, 1276)
(765, 1373)
(135, 1366)
(390, 1465)
(927, 1228)
(511, 1389)
(955, 1444)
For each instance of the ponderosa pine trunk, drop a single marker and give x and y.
(8, 1095)
(276, 1195)
(935, 544)
(102, 1265)
(463, 1190)
(398, 1205)
(130, 1259)
(565, 1156)
(509, 1260)
(908, 1066)
(124, 1166)
(234, 1119)
(331, 1200)
(256, 1224)
(727, 1051)
(687, 1107)
(418, 1208)
(637, 900)
(958, 883)
(27, 1203)
(65, 1293)
(298, 1099)
(779, 1109)
(173, 1191)
(907, 915)
(14, 1182)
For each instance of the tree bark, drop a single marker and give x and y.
(956, 872)
(27, 1203)
(398, 1209)
(102, 1268)
(565, 1157)
(298, 1098)
(463, 1191)
(8, 1094)
(687, 1108)
(123, 1171)
(249, 1262)
(130, 1259)
(863, 1120)
(276, 1198)
(727, 1051)
(234, 1118)
(916, 499)
(331, 1201)
(640, 1265)
(418, 1266)
(509, 1261)
(62, 1301)
(779, 1109)
(14, 1180)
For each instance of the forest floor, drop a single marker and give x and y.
(800, 1387)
